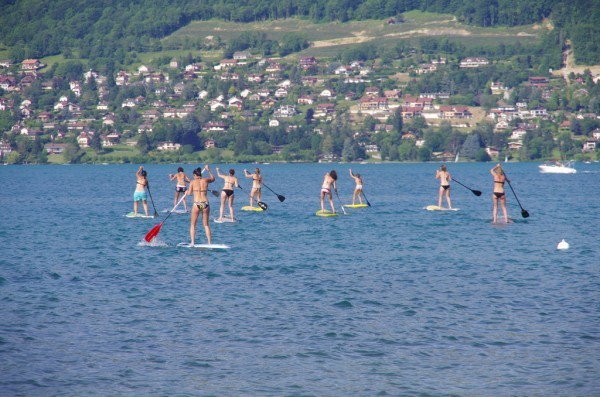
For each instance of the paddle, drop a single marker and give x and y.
(340, 201)
(215, 193)
(260, 203)
(154, 231)
(365, 196)
(524, 212)
(279, 196)
(148, 187)
(475, 192)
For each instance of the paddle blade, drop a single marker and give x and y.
(476, 193)
(263, 205)
(152, 233)
(281, 198)
(524, 213)
(215, 193)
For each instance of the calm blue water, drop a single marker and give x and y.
(390, 300)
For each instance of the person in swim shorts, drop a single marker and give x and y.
(499, 193)
(198, 188)
(182, 178)
(256, 182)
(329, 180)
(227, 193)
(358, 188)
(444, 176)
(140, 190)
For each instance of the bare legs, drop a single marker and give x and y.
(229, 200)
(323, 201)
(495, 210)
(194, 219)
(441, 195)
(135, 206)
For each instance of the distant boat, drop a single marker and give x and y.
(506, 159)
(558, 167)
(456, 158)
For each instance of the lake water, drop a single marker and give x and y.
(389, 300)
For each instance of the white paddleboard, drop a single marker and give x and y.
(132, 215)
(437, 208)
(225, 219)
(204, 246)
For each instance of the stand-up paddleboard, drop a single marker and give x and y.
(139, 215)
(501, 221)
(438, 208)
(356, 205)
(326, 213)
(251, 208)
(214, 247)
(225, 219)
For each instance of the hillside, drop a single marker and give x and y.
(102, 28)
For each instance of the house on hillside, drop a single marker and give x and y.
(31, 64)
(473, 62)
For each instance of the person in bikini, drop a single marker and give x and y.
(445, 178)
(499, 194)
(256, 182)
(198, 188)
(328, 181)
(140, 190)
(227, 194)
(358, 188)
(182, 178)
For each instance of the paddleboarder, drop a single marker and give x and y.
(140, 190)
(444, 176)
(358, 188)
(256, 184)
(227, 194)
(182, 178)
(499, 193)
(198, 188)
(329, 180)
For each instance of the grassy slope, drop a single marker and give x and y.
(337, 36)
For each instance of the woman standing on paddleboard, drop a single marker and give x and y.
(227, 194)
(198, 188)
(182, 178)
(445, 178)
(256, 182)
(499, 194)
(358, 188)
(140, 190)
(328, 181)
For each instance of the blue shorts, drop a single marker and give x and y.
(137, 196)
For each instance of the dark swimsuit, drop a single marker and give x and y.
(446, 187)
(228, 192)
(499, 194)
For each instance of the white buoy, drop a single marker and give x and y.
(563, 245)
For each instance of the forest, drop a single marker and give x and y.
(106, 28)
